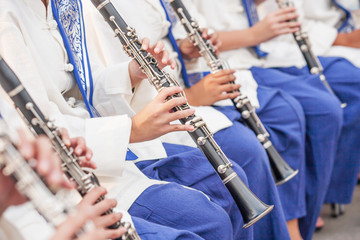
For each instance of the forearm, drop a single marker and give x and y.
(238, 39)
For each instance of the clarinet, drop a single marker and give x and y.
(86, 181)
(28, 183)
(281, 171)
(312, 61)
(251, 207)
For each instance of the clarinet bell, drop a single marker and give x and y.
(281, 171)
(252, 209)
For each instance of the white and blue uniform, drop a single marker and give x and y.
(326, 19)
(32, 45)
(323, 20)
(318, 104)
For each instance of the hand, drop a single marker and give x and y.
(154, 120)
(160, 54)
(89, 210)
(275, 24)
(348, 39)
(190, 51)
(47, 165)
(212, 88)
(80, 149)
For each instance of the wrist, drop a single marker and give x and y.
(190, 97)
(253, 36)
(341, 39)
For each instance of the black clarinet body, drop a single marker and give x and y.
(281, 171)
(251, 208)
(312, 61)
(39, 124)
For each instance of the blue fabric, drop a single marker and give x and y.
(323, 117)
(196, 77)
(348, 25)
(68, 15)
(130, 156)
(253, 18)
(183, 209)
(174, 44)
(189, 167)
(283, 117)
(152, 231)
(344, 78)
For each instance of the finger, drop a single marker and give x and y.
(44, 153)
(223, 73)
(226, 79)
(288, 30)
(26, 146)
(87, 164)
(229, 87)
(165, 57)
(159, 46)
(89, 154)
(205, 34)
(172, 103)
(285, 10)
(228, 96)
(107, 220)
(65, 136)
(179, 127)
(72, 225)
(56, 176)
(98, 234)
(213, 38)
(286, 17)
(79, 145)
(91, 197)
(289, 25)
(180, 114)
(172, 63)
(145, 43)
(164, 93)
(103, 206)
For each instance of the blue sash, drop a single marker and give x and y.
(68, 15)
(172, 19)
(253, 18)
(348, 25)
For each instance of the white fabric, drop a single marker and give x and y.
(137, 14)
(8, 231)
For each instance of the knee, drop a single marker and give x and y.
(329, 112)
(213, 220)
